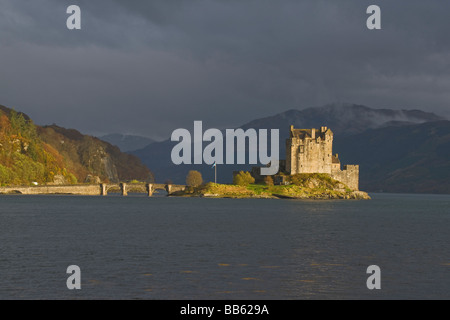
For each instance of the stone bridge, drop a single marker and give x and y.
(147, 188)
(93, 189)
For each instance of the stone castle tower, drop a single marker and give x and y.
(311, 151)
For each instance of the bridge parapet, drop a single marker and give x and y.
(92, 189)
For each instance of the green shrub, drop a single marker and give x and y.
(71, 178)
(243, 178)
(6, 175)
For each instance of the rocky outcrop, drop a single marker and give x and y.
(92, 179)
(59, 179)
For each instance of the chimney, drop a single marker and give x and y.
(313, 133)
(292, 127)
(323, 129)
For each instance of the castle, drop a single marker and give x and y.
(311, 151)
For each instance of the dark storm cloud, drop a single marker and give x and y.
(149, 67)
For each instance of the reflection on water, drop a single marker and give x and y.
(189, 248)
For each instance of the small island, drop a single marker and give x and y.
(302, 186)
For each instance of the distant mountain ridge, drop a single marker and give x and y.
(355, 129)
(126, 142)
(344, 119)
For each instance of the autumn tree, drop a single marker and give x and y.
(268, 180)
(194, 178)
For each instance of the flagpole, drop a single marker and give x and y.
(215, 172)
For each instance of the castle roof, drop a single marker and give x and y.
(335, 159)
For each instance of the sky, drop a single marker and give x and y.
(150, 67)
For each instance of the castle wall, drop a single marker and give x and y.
(310, 154)
(349, 176)
(314, 156)
(290, 164)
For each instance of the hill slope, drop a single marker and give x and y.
(412, 159)
(86, 155)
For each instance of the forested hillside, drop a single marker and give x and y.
(31, 154)
(24, 158)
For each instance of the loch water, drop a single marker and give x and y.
(168, 248)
